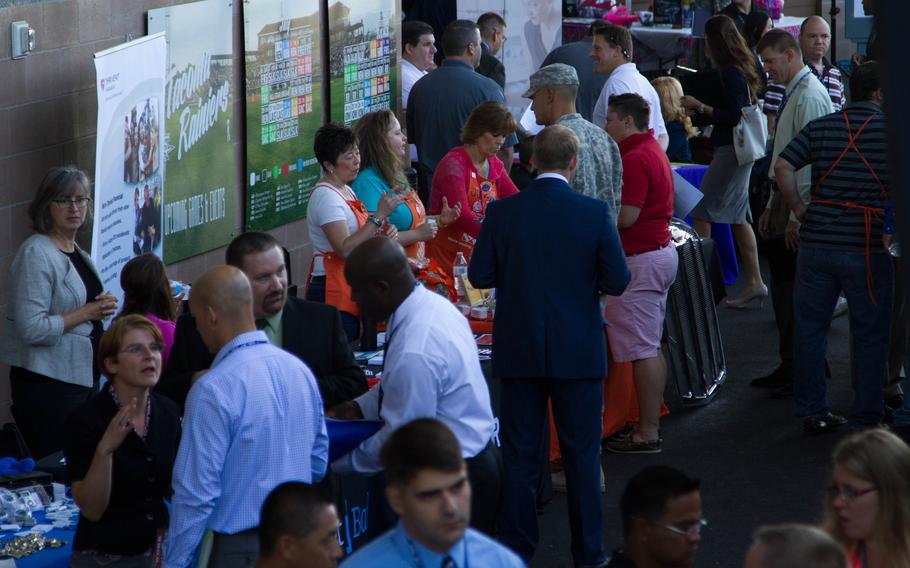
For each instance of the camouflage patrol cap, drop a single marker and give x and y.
(554, 75)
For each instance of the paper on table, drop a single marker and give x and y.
(529, 121)
(10, 527)
(685, 196)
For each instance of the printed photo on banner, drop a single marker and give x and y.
(147, 216)
(141, 141)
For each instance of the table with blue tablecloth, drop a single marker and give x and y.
(720, 232)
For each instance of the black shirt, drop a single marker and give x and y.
(738, 17)
(141, 475)
(92, 290)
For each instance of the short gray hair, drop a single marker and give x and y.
(799, 545)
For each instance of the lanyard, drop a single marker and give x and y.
(242, 346)
(148, 408)
(786, 99)
(419, 564)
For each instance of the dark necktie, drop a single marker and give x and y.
(261, 323)
(448, 562)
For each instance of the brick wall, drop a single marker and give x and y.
(48, 116)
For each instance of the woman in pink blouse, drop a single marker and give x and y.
(471, 176)
(147, 292)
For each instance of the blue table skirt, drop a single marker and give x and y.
(723, 237)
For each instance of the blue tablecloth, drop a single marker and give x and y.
(723, 237)
(49, 557)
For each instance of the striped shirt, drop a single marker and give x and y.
(830, 78)
(819, 144)
(252, 422)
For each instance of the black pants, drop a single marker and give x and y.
(235, 550)
(485, 473)
(782, 265)
(41, 406)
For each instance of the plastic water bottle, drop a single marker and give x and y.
(459, 269)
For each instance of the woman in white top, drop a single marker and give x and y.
(338, 222)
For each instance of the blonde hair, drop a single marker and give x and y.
(882, 459)
(670, 92)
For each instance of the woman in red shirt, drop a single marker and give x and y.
(470, 176)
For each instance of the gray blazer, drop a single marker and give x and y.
(44, 285)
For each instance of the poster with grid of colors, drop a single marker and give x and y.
(363, 58)
(284, 108)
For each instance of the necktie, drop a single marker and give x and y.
(261, 323)
(448, 562)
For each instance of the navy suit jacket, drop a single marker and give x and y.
(550, 252)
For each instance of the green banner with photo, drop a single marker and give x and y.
(199, 128)
(283, 54)
(364, 46)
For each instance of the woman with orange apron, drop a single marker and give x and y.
(337, 222)
(383, 155)
(470, 177)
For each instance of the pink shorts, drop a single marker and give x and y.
(635, 319)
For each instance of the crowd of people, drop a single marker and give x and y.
(222, 410)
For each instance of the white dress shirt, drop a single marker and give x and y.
(409, 75)
(251, 423)
(431, 370)
(627, 79)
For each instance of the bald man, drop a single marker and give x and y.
(251, 423)
(431, 370)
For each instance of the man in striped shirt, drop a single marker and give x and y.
(841, 249)
(814, 41)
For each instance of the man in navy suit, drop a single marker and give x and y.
(550, 252)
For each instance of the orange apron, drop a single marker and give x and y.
(419, 216)
(450, 239)
(337, 290)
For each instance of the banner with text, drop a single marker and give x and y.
(199, 127)
(363, 58)
(129, 186)
(283, 54)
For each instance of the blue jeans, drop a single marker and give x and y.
(821, 275)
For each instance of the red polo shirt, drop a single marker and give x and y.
(647, 183)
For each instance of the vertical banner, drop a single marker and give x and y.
(533, 29)
(363, 55)
(283, 54)
(128, 155)
(198, 127)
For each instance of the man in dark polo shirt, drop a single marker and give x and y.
(841, 249)
(440, 102)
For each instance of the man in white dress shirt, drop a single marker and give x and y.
(611, 52)
(431, 370)
(417, 50)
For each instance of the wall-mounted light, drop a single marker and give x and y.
(23, 39)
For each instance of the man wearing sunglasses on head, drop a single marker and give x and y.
(662, 520)
(611, 53)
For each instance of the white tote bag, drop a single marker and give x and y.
(750, 136)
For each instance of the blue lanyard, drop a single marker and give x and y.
(242, 346)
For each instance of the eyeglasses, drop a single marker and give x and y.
(139, 349)
(848, 493)
(687, 530)
(78, 202)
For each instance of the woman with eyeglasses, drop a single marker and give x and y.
(120, 448)
(54, 311)
(868, 505)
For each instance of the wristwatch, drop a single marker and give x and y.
(375, 220)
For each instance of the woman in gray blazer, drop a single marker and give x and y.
(53, 321)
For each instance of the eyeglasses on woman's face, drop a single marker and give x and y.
(77, 202)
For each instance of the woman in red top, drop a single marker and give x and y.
(868, 505)
(470, 176)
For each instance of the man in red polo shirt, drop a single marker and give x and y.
(635, 319)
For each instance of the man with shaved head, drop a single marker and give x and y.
(431, 370)
(252, 422)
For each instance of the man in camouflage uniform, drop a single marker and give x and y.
(599, 174)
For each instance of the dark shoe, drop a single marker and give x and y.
(823, 423)
(774, 379)
(624, 432)
(783, 391)
(894, 400)
(630, 446)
